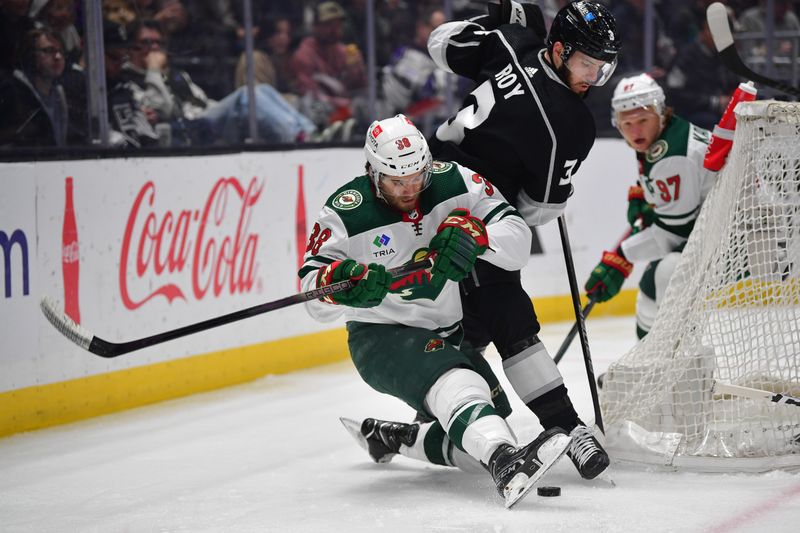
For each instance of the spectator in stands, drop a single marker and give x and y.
(33, 106)
(786, 19)
(119, 12)
(171, 14)
(412, 84)
(131, 120)
(697, 84)
(60, 15)
(271, 56)
(14, 23)
(183, 108)
(170, 92)
(629, 15)
(681, 20)
(329, 74)
(394, 25)
(74, 83)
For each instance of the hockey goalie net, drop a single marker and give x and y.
(731, 313)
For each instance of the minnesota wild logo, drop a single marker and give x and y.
(434, 345)
(657, 151)
(416, 285)
(438, 167)
(349, 199)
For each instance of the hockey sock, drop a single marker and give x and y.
(531, 371)
(434, 446)
(461, 401)
(554, 409)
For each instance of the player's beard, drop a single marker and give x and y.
(567, 77)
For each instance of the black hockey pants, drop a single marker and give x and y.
(497, 309)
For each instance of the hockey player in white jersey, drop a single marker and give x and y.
(667, 196)
(404, 334)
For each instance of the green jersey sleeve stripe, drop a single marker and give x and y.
(682, 230)
(321, 260)
(511, 212)
(305, 270)
(684, 215)
(494, 211)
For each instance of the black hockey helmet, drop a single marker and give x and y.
(588, 27)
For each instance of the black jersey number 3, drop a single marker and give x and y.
(469, 117)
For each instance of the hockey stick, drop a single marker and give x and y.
(638, 226)
(576, 304)
(747, 392)
(572, 332)
(104, 348)
(723, 41)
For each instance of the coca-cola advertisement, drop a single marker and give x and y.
(191, 252)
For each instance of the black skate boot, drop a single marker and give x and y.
(380, 438)
(516, 470)
(586, 453)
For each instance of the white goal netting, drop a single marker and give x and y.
(731, 313)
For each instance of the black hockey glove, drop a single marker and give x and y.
(511, 12)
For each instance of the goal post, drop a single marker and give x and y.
(731, 313)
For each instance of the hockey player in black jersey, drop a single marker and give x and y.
(527, 129)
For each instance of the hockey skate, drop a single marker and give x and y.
(517, 470)
(586, 453)
(380, 438)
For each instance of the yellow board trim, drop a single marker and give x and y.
(48, 405)
(757, 293)
(559, 308)
(68, 401)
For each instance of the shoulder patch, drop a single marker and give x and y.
(440, 167)
(346, 200)
(657, 151)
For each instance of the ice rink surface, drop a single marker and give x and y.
(272, 456)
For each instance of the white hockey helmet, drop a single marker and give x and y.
(395, 147)
(636, 92)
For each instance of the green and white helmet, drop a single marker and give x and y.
(637, 92)
(395, 147)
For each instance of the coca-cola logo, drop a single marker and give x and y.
(213, 242)
(70, 252)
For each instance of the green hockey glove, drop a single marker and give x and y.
(639, 208)
(372, 283)
(607, 278)
(459, 240)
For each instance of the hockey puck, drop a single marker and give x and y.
(548, 491)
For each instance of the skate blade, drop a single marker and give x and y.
(605, 477)
(550, 451)
(354, 428)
